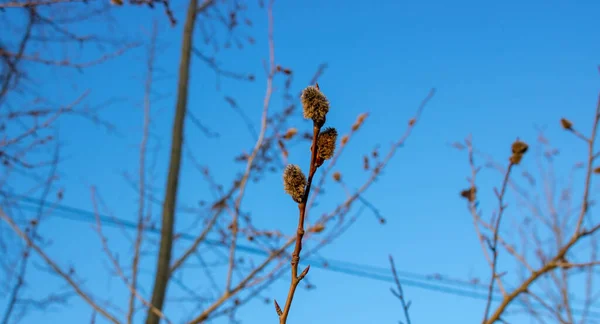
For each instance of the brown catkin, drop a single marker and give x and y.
(326, 143)
(314, 105)
(294, 182)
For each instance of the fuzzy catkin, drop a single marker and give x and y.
(314, 105)
(294, 182)
(326, 143)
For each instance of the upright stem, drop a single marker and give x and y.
(300, 232)
(168, 213)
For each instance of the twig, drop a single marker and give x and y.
(27, 252)
(399, 294)
(590, 165)
(471, 196)
(57, 269)
(116, 265)
(35, 3)
(558, 260)
(67, 63)
(242, 284)
(494, 245)
(257, 147)
(13, 63)
(204, 6)
(142, 174)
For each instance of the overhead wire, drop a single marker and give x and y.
(434, 283)
(77, 214)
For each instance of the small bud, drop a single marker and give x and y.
(277, 308)
(317, 228)
(359, 121)
(566, 124)
(375, 153)
(344, 140)
(326, 143)
(597, 170)
(337, 176)
(315, 105)
(290, 133)
(294, 182)
(304, 273)
(469, 194)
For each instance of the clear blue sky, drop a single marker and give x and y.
(500, 68)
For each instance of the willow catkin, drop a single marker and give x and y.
(314, 105)
(294, 182)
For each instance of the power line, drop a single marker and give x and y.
(78, 214)
(441, 284)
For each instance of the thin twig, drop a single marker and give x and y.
(142, 174)
(257, 147)
(399, 294)
(590, 165)
(57, 269)
(558, 260)
(14, 295)
(116, 265)
(494, 245)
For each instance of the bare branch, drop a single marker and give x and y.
(64, 275)
(399, 293)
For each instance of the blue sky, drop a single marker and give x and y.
(500, 69)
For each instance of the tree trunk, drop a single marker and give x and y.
(168, 213)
